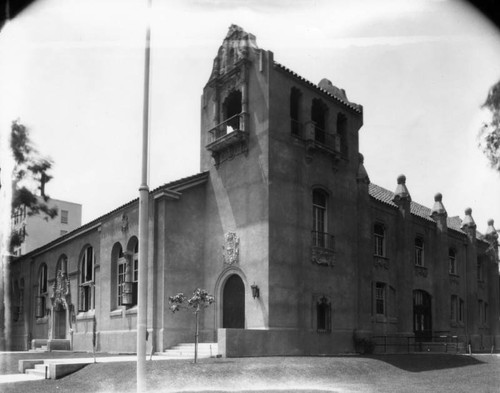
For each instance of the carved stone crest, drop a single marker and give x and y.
(231, 248)
(61, 291)
(124, 223)
(381, 263)
(322, 256)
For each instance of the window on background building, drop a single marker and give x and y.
(86, 280)
(485, 314)
(454, 308)
(323, 313)
(452, 261)
(379, 239)
(461, 310)
(295, 111)
(380, 298)
(63, 233)
(64, 216)
(419, 251)
(320, 237)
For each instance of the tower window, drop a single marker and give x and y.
(342, 133)
(452, 261)
(320, 236)
(295, 96)
(379, 239)
(419, 251)
(232, 108)
(318, 117)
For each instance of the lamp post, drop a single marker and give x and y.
(143, 224)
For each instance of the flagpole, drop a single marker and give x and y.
(143, 224)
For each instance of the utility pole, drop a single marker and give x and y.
(144, 223)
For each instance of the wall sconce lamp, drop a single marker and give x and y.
(255, 291)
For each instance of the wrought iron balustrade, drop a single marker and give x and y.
(235, 123)
(323, 240)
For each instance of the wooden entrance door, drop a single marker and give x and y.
(233, 303)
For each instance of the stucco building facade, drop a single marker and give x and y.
(303, 254)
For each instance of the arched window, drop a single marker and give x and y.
(419, 251)
(379, 239)
(319, 231)
(342, 133)
(323, 315)
(40, 299)
(318, 117)
(118, 265)
(295, 95)
(87, 280)
(42, 280)
(127, 273)
(452, 261)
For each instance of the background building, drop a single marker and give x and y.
(38, 230)
(283, 204)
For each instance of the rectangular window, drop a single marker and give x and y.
(480, 276)
(380, 298)
(454, 307)
(461, 311)
(480, 307)
(63, 233)
(319, 219)
(452, 261)
(64, 216)
(419, 251)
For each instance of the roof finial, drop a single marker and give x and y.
(468, 220)
(401, 192)
(491, 234)
(438, 208)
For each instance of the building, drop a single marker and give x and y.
(37, 230)
(303, 254)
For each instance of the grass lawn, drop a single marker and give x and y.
(389, 373)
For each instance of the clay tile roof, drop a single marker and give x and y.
(385, 196)
(173, 185)
(354, 107)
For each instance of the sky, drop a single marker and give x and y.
(72, 71)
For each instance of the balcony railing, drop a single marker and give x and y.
(311, 132)
(235, 123)
(323, 240)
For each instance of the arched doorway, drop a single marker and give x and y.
(422, 315)
(233, 303)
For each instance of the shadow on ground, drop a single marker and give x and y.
(427, 362)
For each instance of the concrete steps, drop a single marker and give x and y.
(41, 371)
(186, 351)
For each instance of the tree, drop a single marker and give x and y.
(29, 177)
(200, 300)
(489, 135)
